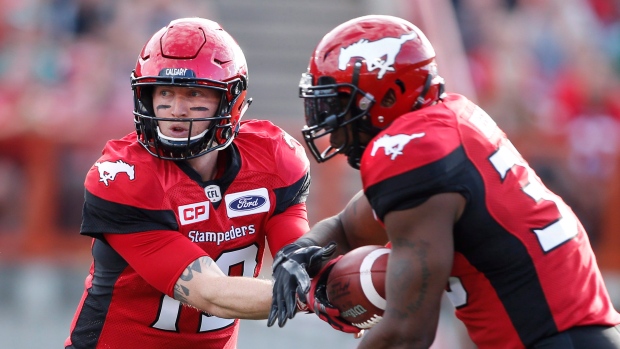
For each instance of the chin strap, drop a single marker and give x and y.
(245, 107)
(420, 100)
(354, 156)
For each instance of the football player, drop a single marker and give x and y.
(181, 209)
(463, 211)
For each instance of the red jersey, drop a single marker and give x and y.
(129, 191)
(523, 265)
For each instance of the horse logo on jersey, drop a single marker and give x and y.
(393, 145)
(374, 51)
(290, 141)
(108, 170)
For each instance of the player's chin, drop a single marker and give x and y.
(346, 149)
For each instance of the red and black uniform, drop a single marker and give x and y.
(523, 266)
(151, 218)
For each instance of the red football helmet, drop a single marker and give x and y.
(366, 72)
(190, 52)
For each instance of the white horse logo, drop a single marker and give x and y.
(108, 170)
(374, 51)
(393, 145)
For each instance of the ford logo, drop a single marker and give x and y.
(247, 203)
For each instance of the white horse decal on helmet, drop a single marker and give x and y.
(374, 51)
(108, 170)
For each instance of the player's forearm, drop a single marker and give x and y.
(240, 298)
(204, 286)
(328, 230)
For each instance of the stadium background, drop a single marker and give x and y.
(548, 71)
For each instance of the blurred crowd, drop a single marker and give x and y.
(67, 62)
(548, 71)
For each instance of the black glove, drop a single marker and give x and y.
(293, 267)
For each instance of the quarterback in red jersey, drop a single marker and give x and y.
(181, 209)
(463, 212)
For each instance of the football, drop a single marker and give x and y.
(356, 285)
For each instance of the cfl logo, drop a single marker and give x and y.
(194, 213)
(213, 193)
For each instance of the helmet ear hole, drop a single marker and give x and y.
(401, 85)
(389, 98)
(326, 80)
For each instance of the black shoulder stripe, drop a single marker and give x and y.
(412, 188)
(102, 216)
(293, 194)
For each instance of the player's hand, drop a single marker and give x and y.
(318, 303)
(293, 267)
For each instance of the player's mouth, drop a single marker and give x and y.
(177, 131)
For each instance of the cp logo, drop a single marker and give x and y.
(193, 213)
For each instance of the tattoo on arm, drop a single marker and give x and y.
(419, 250)
(181, 292)
(188, 273)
